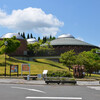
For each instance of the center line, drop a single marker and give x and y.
(28, 89)
(61, 98)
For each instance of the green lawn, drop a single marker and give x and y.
(37, 66)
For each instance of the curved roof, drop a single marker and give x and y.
(10, 35)
(31, 40)
(68, 40)
(66, 36)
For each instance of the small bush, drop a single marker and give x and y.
(59, 74)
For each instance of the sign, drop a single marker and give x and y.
(14, 69)
(45, 71)
(25, 68)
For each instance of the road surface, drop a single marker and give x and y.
(48, 92)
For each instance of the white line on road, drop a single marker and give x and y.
(28, 89)
(94, 87)
(61, 98)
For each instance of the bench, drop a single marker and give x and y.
(31, 77)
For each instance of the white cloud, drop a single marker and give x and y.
(79, 38)
(34, 19)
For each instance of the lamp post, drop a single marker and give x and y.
(6, 43)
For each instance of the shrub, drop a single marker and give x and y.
(59, 73)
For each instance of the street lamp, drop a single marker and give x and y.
(6, 43)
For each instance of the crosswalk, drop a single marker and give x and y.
(94, 87)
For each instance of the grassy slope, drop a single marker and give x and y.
(37, 66)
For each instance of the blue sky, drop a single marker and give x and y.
(81, 18)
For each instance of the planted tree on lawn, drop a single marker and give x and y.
(68, 58)
(90, 60)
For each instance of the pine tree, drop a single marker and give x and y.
(34, 37)
(50, 37)
(19, 33)
(28, 36)
(38, 38)
(53, 38)
(24, 35)
(44, 39)
(31, 35)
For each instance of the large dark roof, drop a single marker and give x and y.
(68, 40)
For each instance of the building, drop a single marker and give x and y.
(31, 40)
(68, 42)
(22, 50)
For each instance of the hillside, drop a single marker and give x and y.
(37, 66)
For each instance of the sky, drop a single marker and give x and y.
(80, 18)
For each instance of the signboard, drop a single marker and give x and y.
(25, 68)
(45, 71)
(14, 69)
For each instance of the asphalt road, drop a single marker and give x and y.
(48, 92)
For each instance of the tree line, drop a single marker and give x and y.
(45, 38)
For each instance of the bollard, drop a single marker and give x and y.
(28, 77)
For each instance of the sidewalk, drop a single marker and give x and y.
(22, 81)
(42, 82)
(88, 83)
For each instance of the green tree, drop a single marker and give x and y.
(28, 36)
(19, 33)
(23, 35)
(12, 45)
(31, 35)
(50, 37)
(38, 38)
(46, 50)
(90, 60)
(53, 38)
(44, 39)
(68, 58)
(33, 47)
(39, 50)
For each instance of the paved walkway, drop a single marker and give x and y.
(22, 81)
(88, 83)
(42, 82)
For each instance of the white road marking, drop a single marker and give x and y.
(61, 98)
(28, 89)
(94, 87)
